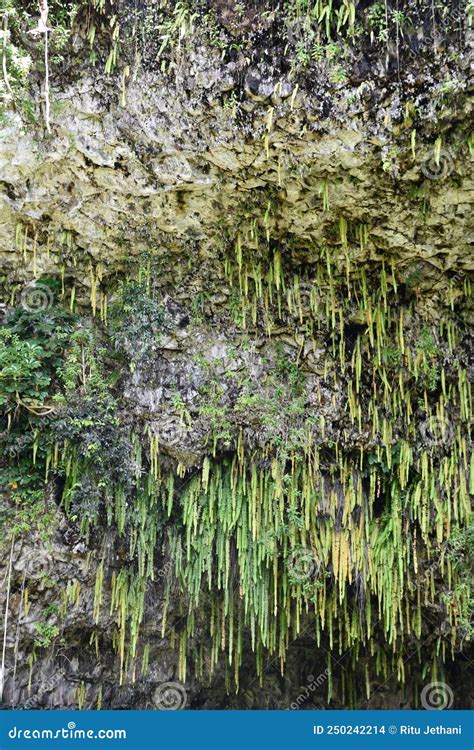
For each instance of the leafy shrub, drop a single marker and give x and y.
(136, 322)
(32, 352)
(22, 378)
(33, 348)
(101, 453)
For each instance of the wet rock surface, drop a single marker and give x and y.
(171, 169)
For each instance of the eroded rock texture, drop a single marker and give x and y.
(306, 235)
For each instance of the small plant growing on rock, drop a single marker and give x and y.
(45, 634)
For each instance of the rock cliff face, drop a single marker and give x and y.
(246, 481)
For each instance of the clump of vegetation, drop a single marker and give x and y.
(24, 383)
(45, 634)
(16, 62)
(32, 354)
(136, 321)
(99, 462)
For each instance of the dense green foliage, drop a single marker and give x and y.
(361, 542)
(136, 321)
(32, 357)
(336, 500)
